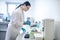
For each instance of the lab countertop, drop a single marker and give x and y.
(3, 22)
(38, 36)
(3, 25)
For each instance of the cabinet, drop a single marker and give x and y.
(48, 29)
(3, 28)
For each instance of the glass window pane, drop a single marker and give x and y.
(11, 8)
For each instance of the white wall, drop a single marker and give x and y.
(30, 12)
(57, 30)
(2, 7)
(47, 9)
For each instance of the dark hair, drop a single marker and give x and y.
(27, 3)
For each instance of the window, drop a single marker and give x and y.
(11, 7)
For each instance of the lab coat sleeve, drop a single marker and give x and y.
(17, 19)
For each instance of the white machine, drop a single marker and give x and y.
(48, 29)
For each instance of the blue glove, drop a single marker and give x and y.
(23, 30)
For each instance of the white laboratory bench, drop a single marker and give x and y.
(3, 25)
(38, 36)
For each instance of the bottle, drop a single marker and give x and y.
(32, 35)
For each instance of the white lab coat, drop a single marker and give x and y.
(15, 24)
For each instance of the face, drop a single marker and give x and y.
(26, 8)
